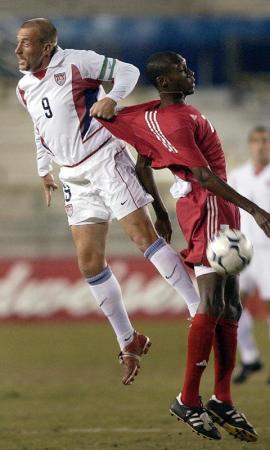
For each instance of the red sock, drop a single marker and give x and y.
(200, 341)
(225, 343)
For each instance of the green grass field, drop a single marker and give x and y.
(60, 390)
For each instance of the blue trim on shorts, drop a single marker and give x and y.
(101, 277)
(154, 248)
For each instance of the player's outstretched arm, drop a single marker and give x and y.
(49, 186)
(146, 177)
(219, 187)
(124, 77)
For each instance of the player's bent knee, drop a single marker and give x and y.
(212, 305)
(143, 235)
(143, 240)
(211, 288)
(216, 308)
(232, 299)
(140, 229)
(91, 266)
(233, 311)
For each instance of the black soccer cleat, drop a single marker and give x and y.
(196, 418)
(234, 422)
(246, 370)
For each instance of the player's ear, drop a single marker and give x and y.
(47, 48)
(162, 82)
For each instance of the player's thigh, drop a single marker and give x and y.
(232, 300)
(139, 227)
(126, 197)
(211, 290)
(83, 200)
(90, 243)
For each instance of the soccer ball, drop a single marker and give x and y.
(229, 252)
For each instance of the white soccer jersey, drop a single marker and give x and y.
(60, 97)
(255, 187)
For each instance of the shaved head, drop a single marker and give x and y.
(47, 31)
(159, 64)
(169, 73)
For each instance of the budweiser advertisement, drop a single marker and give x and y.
(53, 289)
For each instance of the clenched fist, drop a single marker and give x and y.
(104, 109)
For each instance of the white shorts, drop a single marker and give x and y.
(257, 274)
(103, 187)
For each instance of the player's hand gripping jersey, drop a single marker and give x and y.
(60, 97)
(180, 137)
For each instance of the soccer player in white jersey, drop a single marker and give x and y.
(252, 180)
(61, 89)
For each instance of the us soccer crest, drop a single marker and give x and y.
(60, 78)
(69, 210)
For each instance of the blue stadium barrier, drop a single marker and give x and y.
(211, 44)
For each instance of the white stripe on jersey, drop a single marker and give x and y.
(212, 216)
(153, 125)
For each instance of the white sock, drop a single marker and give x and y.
(246, 343)
(169, 264)
(107, 292)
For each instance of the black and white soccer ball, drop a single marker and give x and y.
(229, 252)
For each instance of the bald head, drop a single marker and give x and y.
(46, 30)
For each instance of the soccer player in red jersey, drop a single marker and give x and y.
(168, 133)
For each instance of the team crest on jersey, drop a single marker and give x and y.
(69, 209)
(60, 78)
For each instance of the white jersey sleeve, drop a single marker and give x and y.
(44, 159)
(99, 67)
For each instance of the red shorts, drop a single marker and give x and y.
(200, 215)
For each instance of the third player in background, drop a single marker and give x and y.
(252, 180)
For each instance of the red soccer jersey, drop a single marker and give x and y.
(177, 136)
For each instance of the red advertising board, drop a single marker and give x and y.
(51, 289)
